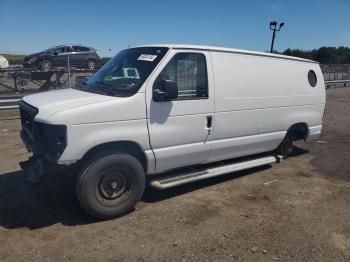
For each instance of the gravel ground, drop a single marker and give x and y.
(297, 210)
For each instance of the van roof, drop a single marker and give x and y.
(229, 50)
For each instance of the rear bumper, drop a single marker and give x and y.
(314, 132)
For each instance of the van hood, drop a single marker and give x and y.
(51, 102)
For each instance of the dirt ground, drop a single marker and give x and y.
(298, 210)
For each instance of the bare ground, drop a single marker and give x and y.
(298, 210)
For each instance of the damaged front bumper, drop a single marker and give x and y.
(35, 168)
(46, 141)
(41, 138)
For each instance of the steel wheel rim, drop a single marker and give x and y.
(113, 187)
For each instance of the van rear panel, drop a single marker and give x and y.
(257, 99)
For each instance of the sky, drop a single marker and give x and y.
(29, 26)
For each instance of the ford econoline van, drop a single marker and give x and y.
(177, 106)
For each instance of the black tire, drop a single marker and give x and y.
(286, 147)
(46, 65)
(110, 185)
(91, 64)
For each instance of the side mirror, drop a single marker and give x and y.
(165, 90)
(55, 53)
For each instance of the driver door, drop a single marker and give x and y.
(61, 56)
(179, 129)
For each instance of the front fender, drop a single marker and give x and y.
(83, 137)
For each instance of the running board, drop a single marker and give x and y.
(176, 180)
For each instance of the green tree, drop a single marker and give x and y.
(325, 55)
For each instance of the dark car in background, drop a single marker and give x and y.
(79, 56)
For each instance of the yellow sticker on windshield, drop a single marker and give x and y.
(144, 57)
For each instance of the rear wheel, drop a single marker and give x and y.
(110, 185)
(286, 147)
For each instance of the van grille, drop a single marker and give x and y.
(28, 113)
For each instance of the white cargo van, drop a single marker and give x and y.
(182, 106)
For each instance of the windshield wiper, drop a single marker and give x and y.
(102, 83)
(107, 88)
(102, 88)
(89, 88)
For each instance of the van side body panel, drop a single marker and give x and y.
(257, 99)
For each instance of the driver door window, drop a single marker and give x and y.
(68, 49)
(58, 50)
(190, 73)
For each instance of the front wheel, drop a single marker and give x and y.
(91, 64)
(110, 185)
(46, 65)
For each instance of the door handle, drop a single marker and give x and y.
(209, 122)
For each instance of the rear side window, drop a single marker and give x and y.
(311, 76)
(189, 70)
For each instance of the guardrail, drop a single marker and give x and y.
(336, 82)
(13, 103)
(9, 103)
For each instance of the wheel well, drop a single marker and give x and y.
(127, 147)
(298, 131)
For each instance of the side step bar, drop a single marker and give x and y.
(176, 180)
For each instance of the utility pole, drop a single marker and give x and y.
(275, 27)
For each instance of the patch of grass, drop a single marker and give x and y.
(14, 59)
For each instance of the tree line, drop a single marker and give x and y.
(324, 55)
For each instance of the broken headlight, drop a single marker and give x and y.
(51, 140)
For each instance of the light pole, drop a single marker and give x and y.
(274, 26)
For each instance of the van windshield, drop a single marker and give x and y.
(124, 74)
